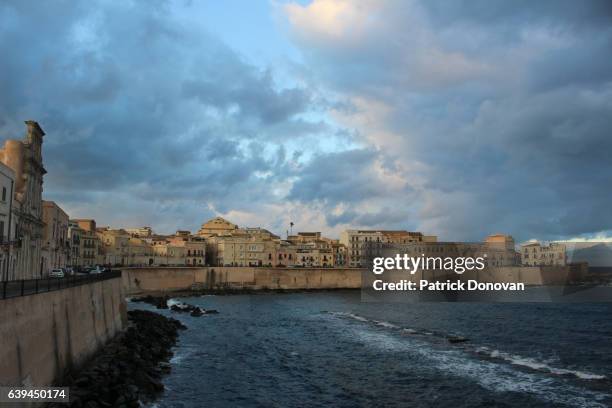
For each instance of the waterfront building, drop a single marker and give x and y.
(356, 241)
(537, 254)
(314, 255)
(55, 247)
(140, 253)
(243, 247)
(193, 248)
(498, 250)
(338, 253)
(312, 250)
(24, 158)
(169, 254)
(286, 253)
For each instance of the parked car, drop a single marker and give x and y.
(56, 273)
(69, 271)
(98, 269)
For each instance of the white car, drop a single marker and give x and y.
(56, 273)
(97, 269)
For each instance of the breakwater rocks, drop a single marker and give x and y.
(161, 302)
(191, 309)
(129, 369)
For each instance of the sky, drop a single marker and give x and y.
(455, 118)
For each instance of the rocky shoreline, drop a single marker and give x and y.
(128, 370)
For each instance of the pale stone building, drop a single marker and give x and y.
(286, 254)
(24, 157)
(338, 253)
(312, 250)
(7, 227)
(55, 248)
(169, 254)
(497, 250)
(536, 254)
(244, 247)
(142, 232)
(356, 241)
(140, 253)
(217, 226)
(314, 255)
(193, 248)
(90, 245)
(115, 245)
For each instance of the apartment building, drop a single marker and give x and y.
(114, 245)
(190, 250)
(497, 250)
(56, 245)
(537, 254)
(90, 245)
(244, 247)
(312, 250)
(356, 241)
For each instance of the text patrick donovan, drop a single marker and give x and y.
(449, 285)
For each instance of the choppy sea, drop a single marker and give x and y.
(330, 349)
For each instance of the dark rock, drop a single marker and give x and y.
(130, 367)
(457, 339)
(197, 312)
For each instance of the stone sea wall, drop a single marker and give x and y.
(139, 280)
(45, 335)
(155, 279)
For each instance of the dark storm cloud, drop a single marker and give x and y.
(140, 108)
(342, 177)
(457, 118)
(569, 13)
(253, 96)
(506, 108)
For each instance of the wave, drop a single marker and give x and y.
(488, 372)
(513, 359)
(536, 365)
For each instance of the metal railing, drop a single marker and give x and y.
(11, 289)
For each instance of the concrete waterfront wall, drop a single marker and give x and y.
(42, 336)
(155, 279)
(139, 280)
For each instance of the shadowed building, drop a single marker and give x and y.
(24, 157)
(91, 253)
(55, 249)
(7, 227)
(75, 234)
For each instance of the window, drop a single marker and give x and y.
(3, 195)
